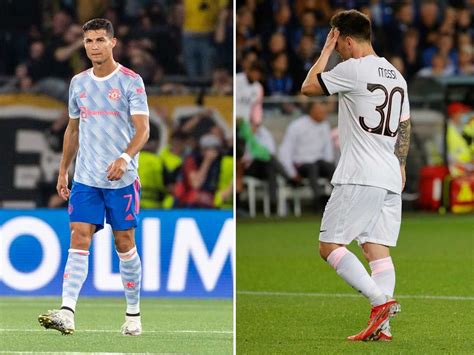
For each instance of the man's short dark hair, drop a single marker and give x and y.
(99, 24)
(352, 23)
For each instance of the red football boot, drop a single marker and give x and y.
(378, 316)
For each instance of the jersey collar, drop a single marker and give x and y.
(104, 77)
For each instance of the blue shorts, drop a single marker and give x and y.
(90, 204)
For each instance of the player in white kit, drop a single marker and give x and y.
(108, 126)
(374, 128)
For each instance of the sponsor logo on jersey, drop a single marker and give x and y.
(82, 95)
(140, 90)
(85, 112)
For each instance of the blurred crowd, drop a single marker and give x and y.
(173, 45)
(419, 37)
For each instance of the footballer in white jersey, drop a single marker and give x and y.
(374, 131)
(249, 95)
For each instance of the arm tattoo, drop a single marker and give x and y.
(403, 142)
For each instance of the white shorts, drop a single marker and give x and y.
(364, 213)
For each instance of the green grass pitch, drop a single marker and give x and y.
(290, 301)
(169, 325)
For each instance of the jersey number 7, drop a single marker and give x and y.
(384, 125)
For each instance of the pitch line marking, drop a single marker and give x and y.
(108, 305)
(186, 331)
(68, 353)
(350, 295)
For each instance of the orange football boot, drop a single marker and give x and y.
(378, 316)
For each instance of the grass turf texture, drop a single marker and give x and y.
(289, 300)
(170, 326)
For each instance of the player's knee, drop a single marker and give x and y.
(124, 243)
(323, 251)
(80, 238)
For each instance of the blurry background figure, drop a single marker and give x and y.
(459, 144)
(150, 171)
(263, 169)
(206, 178)
(201, 20)
(307, 149)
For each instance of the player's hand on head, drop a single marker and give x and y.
(331, 40)
(116, 169)
(61, 186)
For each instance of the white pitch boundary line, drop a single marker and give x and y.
(109, 305)
(351, 295)
(68, 353)
(185, 331)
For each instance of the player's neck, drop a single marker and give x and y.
(363, 51)
(103, 69)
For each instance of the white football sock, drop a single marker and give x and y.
(353, 272)
(383, 273)
(131, 272)
(75, 274)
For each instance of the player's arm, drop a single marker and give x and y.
(402, 146)
(142, 131)
(313, 85)
(70, 146)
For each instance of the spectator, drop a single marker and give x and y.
(439, 67)
(171, 157)
(279, 82)
(308, 28)
(264, 169)
(66, 59)
(402, 22)
(199, 181)
(460, 158)
(281, 21)
(200, 22)
(465, 63)
(443, 46)
(245, 30)
(307, 150)
(428, 22)
(37, 63)
(410, 54)
(150, 171)
(305, 58)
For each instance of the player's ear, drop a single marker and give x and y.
(114, 42)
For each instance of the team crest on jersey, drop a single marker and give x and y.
(114, 94)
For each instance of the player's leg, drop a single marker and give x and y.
(381, 266)
(122, 208)
(352, 211)
(86, 212)
(131, 273)
(348, 266)
(377, 252)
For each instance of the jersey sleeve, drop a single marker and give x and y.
(137, 98)
(73, 108)
(342, 78)
(405, 109)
